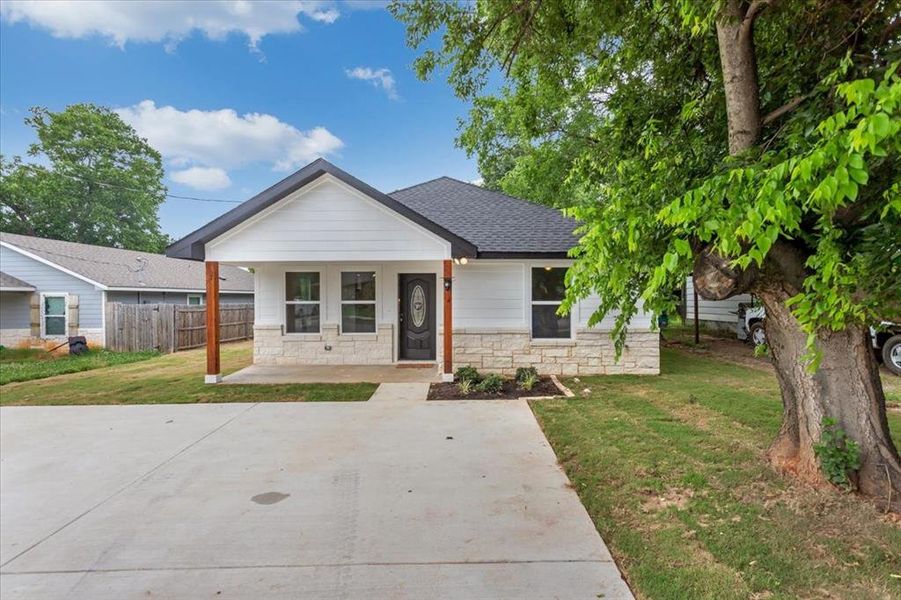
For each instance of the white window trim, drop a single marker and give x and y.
(198, 296)
(65, 315)
(572, 319)
(342, 301)
(286, 303)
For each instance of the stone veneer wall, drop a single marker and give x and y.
(270, 347)
(591, 353)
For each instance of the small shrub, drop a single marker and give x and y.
(526, 372)
(838, 454)
(528, 381)
(465, 386)
(491, 383)
(468, 374)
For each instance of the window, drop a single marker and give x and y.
(53, 314)
(302, 308)
(358, 302)
(548, 289)
(195, 300)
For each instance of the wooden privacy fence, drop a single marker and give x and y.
(171, 327)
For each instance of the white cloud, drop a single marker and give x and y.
(225, 139)
(381, 78)
(166, 21)
(208, 179)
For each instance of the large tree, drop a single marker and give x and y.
(97, 182)
(753, 144)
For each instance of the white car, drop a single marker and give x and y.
(886, 338)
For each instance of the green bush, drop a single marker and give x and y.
(468, 374)
(492, 384)
(523, 373)
(465, 386)
(528, 381)
(838, 454)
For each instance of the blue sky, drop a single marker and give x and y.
(236, 95)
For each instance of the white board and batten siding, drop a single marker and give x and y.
(327, 221)
(716, 311)
(497, 294)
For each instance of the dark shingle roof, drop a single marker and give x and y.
(476, 221)
(117, 268)
(8, 281)
(494, 222)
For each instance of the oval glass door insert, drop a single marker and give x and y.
(417, 305)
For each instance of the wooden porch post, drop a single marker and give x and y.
(213, 374)
(448, 374)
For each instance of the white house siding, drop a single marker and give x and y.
(492, 322)
(492, 327)
(326, 221)
(722, 314)
(50, 280)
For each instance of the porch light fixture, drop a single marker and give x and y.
(548, 268)
(461, 261)
(447, 283)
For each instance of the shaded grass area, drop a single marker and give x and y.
(673, 473)
(25, 364)
(173, 379)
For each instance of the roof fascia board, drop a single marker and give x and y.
(17, 289)
(52, 264)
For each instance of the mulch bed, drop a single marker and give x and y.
(511, 391)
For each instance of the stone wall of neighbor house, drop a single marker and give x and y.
(270, 347)
(590, 353)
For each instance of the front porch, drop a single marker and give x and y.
(282, 374)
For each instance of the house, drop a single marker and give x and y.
(721, 315)
(443, 272)
(50, 289)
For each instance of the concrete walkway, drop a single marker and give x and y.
(381, 499)
(401, 392)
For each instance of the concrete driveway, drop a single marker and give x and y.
(320, 500)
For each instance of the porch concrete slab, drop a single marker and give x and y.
(401, 392)
(268, 374)
(286, 500)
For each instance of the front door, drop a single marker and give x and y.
(416, 316)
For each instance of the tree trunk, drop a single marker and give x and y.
(846, 387)
(739, 64)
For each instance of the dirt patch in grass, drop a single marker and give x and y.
(672, 471)
(510, 391)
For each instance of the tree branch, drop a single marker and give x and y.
(784, 109)
(754, 10)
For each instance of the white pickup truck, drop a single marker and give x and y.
(886, 338)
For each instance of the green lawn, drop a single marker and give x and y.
(672, 471)
(172, 378)
(25, 364)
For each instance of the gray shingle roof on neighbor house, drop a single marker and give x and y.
(117, 268)
(496, 223)
(476, 221)
(8, 282)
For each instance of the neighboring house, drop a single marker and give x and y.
(716, 314)
(51, 289)
(346, 274)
